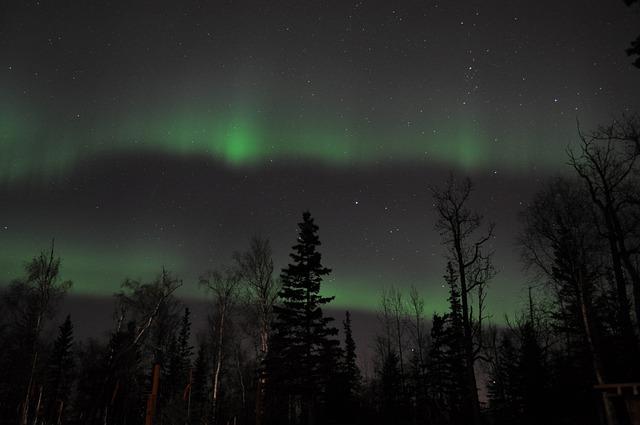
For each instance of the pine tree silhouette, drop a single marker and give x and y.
(60, 374)
(301, 331)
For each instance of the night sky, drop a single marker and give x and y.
(168, 132)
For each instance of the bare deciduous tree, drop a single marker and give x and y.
(466, 244)
(255, 267)
(223, 286)
(607, 162)
(418, 330)
(43, 290)
(560, 245)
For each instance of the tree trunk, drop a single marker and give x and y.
(400, 353)
(218, 367)
(241, 379)
(621, 290)
(27, 399)
(262, 374)
(151, 402)
(635, 281)
(474, 402)
(595, 353)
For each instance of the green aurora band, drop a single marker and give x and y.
(93, 270)
(36, 147)
(98, 272)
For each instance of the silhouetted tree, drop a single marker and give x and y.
(352, 371)
(446, 374)
(256, 270)
(503, 383)
(301, 330)
(126, 380)
(459, 227)
(391, 410)
(390, 342)
(223, 286)
(438, 371)
(28, 302)
(59, 376)
(417, 330)
(459, 394)
(343, 378)
(634, 49)
(90, 385)
(607, 162)
(332, 398)
(564, 246)
(198, 390)
(176, 376)
(534, 375)
(146, 314)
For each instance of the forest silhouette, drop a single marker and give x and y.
(270, 354)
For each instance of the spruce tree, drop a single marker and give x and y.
(351, 370)
(458, 393)
(533, 375)
(332, 392)
(391, 389)
(446, 366)
(198, 390)
(504, 382)
(180, 352)
(437, 374)
(176, 373)
(59, 374)
(301, 330)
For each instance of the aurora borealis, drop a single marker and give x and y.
(166, 133)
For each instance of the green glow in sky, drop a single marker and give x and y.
(35, 146)
(97, 269)
(94, 270)
(363, 294)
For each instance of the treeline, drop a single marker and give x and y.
(271, 355)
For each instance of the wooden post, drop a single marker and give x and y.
(151, 401)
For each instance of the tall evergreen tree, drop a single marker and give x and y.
(302, 331)
(59, 375)
(332, 393)
(185, 349)
(503, 383)
(446, 367)
(533, 375)
(351, 370)
(124, 399)
(391, 389)
(436, 374)
(459, 394)
(343, 378)
(177, 372)
(90, 385)
(198, 390)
